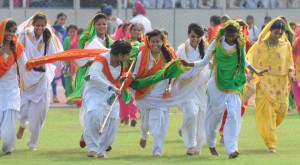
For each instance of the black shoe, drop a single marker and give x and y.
(133, 123)
(108, 149)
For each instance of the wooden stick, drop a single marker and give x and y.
(116, 98)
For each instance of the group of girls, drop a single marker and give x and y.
(211, 88)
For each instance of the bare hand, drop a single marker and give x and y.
(123, 78)
(185, 63)
(117, 90)
(39, 69)
(293, 78)
(261, 73)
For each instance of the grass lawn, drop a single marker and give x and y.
(59, 140)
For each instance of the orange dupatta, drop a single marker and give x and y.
(6, 64)
(142, 72)
(106, 69)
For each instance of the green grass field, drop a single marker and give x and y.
(60, 137)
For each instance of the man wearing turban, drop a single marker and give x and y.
(138, 13)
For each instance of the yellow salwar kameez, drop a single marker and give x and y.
(272, 89)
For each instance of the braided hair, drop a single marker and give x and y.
(199, 30)
(233, 29)
(46, 33)
(12, 45)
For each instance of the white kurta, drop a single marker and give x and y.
(95, 98)
(35, 86)
(144, 21)
(153, 118)
(218, 101)
(193, 131)
(96, 43)
(10, 104)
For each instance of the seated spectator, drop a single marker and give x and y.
(152, 4)
(251, 4)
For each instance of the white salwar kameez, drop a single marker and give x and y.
(95, 98)
(10, 104)
(218, 101)
(153, 118)
(35, 86)
(194, 108)
(96, 43)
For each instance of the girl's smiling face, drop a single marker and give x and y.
(155, 44)
(39, 27)
(101, 26)
(194, 39)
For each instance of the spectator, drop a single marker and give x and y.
(215, 25)
(287, 3)
(158, 3)
(192, 3)
(267, 20)
(59, 31)
(108, 12)
(225, 18)
(253, 30)
(251, 4)
(293, 25)
(138, 13)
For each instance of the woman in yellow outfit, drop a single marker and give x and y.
(272, 51)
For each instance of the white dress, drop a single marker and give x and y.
(218, 101)
(97, 101)
(35, 86)
(10, 103)
(194, 108)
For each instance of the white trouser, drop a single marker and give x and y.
(218, 101)
(193, 130)
(96, 142)
(35, 115)
(157, 121)
(8, 121)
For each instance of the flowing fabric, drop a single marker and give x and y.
(81, 71)
(6, 64)
(225, 65)
(63, 56)
(296, 57)
(171, 70)
(272, 89)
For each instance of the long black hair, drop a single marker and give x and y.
(132, 26)
(46, 33)
(120, 46)
(12, 45)
(278, 24)
(198, 29)
(102, 16)
(233, 29)
(58, 16)
(164, 50)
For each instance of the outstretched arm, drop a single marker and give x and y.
(204, 61)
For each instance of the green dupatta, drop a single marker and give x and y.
(229, 76)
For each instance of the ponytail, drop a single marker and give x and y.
(46, 38)
(238, 52)
(201, 48)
